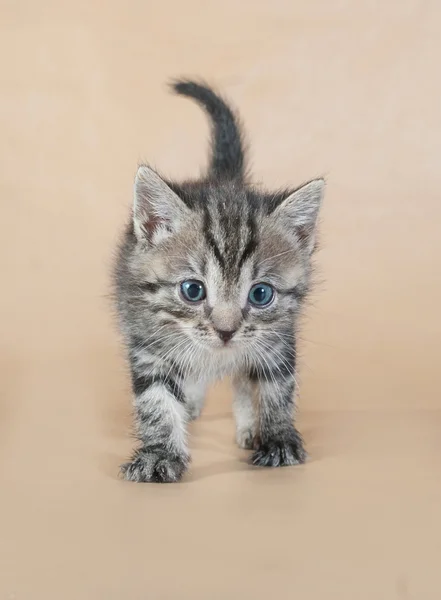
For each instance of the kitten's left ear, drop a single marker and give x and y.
(157, 210)
(299, 211)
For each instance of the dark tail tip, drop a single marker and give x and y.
(227, 154)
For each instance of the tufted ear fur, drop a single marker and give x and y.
(299, 211)
(157, 210)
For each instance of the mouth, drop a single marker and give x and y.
(229, 345)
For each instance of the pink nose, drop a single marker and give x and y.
(225, 335)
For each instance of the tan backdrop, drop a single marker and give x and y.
(348, 89)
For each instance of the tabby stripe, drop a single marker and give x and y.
(284, 369)
(154, 286)
(149, 286)
(297, 292)
(211, 241)
(251, 244)
(141, 383)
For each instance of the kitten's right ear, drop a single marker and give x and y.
(157, 210)
(299, 211)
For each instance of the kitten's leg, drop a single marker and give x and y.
(245, 411)
(278, 443)
(160, 418)
(195, 392)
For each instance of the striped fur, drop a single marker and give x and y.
(228, 234)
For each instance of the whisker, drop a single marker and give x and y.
(291, 250)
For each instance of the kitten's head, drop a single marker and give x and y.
(218, 262)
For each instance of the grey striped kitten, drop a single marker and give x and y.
(209, 279)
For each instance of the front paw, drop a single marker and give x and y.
(156, 466)
(245, 439)
(280, 451)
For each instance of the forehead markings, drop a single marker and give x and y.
(234, 238)
(210, 238)
(251, 243)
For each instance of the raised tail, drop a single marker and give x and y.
(227, 154)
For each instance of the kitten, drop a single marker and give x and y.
(209, 281)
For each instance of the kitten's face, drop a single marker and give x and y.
(230, 273)
(222, 305)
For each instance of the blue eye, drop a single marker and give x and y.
(261, 294)
(192, 290)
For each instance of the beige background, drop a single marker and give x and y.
(349, 89)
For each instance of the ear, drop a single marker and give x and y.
(157, 210)
(299, 211)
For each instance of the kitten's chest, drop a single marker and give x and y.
(215, 366)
